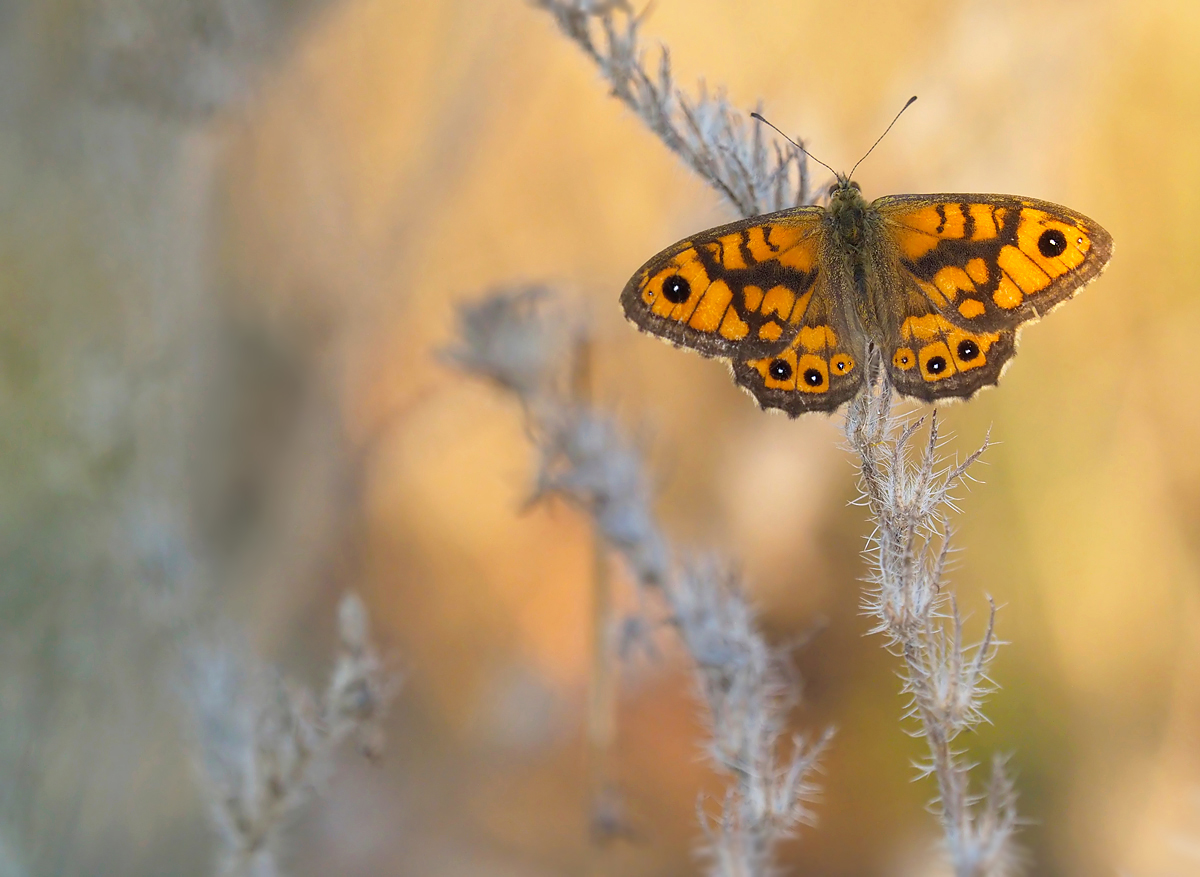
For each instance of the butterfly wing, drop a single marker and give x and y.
(734, 290)
(751, 292)
(929, 357)
(820, 368)
(971, 270)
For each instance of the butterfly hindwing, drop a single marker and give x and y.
(930, 357)
(993, 262)
(738, 291)
(820, 368)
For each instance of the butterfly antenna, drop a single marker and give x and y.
(884, 134)
(795, 144)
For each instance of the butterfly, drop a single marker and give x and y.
(940, 285)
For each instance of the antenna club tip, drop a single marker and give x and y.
(910, 101)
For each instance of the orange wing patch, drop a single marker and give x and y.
(779, 300)
(711, 308)
(807, 363)
(986, 221)
(752, 297)
(1045, 249)
(920, 231)
(733, 327)
(770, 331)
(942, 348)
(934, 358)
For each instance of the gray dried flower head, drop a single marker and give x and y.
(909, 490)
(710, 135)
(585, 460)
(516, 338)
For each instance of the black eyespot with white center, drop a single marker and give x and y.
(936, 365)
(813, 378)
(676, 290)
(1052, 243)
(967, 350)
(779, 369)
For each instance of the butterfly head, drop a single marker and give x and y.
(844, 188)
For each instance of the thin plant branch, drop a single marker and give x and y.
(717, 141)
(909, 490)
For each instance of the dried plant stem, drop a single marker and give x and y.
(908, 492)
(602, 691)
(715, 140)
(606, 819)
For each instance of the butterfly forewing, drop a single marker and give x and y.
(739, 290)
(993, 262)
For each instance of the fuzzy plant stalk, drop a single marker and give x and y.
(265, 745)
(709, 135)
(518, 340)
(907, 492)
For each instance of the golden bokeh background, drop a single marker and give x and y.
(224, 304)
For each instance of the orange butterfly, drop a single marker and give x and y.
(940, 284)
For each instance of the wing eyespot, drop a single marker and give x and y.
(843, 363)
(967, 350)
(1052, 243)
(780, 369)
(676, 289)
(904, 358)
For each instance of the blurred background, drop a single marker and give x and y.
(234, 233)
